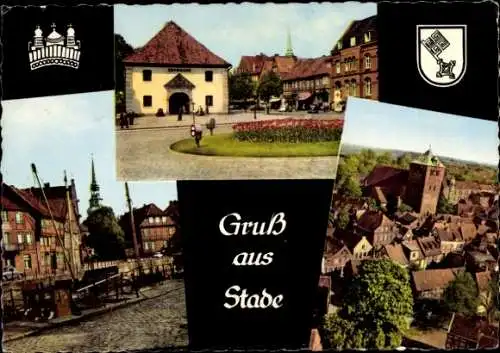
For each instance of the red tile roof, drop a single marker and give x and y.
(395, 253)
(382, 173)
(433, 279)
(306, 68)
(252, 64)
(174, 46)
(475, 329)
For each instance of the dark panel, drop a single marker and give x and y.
(293, 273)
(476, 93)
(94, 41)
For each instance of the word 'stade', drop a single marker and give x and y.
(440, 56)
(252, 260)
(57, 50)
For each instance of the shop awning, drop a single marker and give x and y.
(302, 96)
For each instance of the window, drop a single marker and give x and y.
(45, 223)
(164, 219)
(339, 45)
(5, 217)
(368, 87)
(353, 89)
(60, 260)
(19, 217)
(346, 66)
(147, 101)
(368, 37)
(209, 76)
(20, 238)
(209, 101)
(368, 62)
(146, 245)
(353, 41)
(5, 238)
(152, 245)
(165, 243)
(151, 220)
(337, 67)
(146, 75)
(157, 219)
(27, 261)
(29, 239)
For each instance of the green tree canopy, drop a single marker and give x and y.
(404, 160)
(122, 50)
(461, 295)
(405, 208)
(377, 310)
(269, 86)
(241, 86)
(385, 158)
(106, 236)
(351, 187)
(444, 206)
(343, 218)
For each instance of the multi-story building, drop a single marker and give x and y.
(308, 82)
(354, 63)
(41, 238)
(154, 228)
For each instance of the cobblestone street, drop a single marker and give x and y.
(144, 154)
(159, 321)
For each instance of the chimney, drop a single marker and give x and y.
(46, 185)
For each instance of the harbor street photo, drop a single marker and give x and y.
(89, 263)
(414, 221)
(205, 93)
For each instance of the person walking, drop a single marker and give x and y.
(179, 117)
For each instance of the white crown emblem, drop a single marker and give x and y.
(54, 50)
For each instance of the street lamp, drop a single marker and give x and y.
(255, 109)
(192, 103)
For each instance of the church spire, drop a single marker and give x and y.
(95, 198)
(289, 49)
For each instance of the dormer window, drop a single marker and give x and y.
(368, 37)
(339, 45)
(353, 41)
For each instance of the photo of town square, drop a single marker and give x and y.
(88, 263)
(411, 253)
(202, 98)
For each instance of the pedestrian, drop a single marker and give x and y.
(122, 120)
(179, 117)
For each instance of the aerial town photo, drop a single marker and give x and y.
(223, 98)
(88, 263)
(412, 242)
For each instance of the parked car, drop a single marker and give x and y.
(10, 273)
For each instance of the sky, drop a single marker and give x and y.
(233, 30)
(62, 133)
(369, 123)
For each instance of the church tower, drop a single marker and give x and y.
(95, 198)
(289, 49)
(425, 182)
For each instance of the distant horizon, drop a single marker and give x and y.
(394, 127)
(417, 152)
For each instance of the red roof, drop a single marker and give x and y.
(174, 46)
(252, 64)
(305, 68)
(381, 173)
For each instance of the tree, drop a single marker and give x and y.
(385, 158)
(269, 86)
(351, 187)
(106, 236)
(491, 301)
(343, 218)
(241, 87)
(122, 50)
(444, 206)
(461, 295)
(404, 160)
(348, 167)
(377, 311)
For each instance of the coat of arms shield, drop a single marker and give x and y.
(442, 54)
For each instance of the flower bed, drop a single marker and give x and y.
(289, 130)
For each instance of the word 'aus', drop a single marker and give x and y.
(253, 259)
(253, 301)
(236, 227)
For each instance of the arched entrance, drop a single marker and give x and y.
(178, 100)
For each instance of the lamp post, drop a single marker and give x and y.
(255, 109)
(192, 103)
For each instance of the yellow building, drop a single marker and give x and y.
(174, 70)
